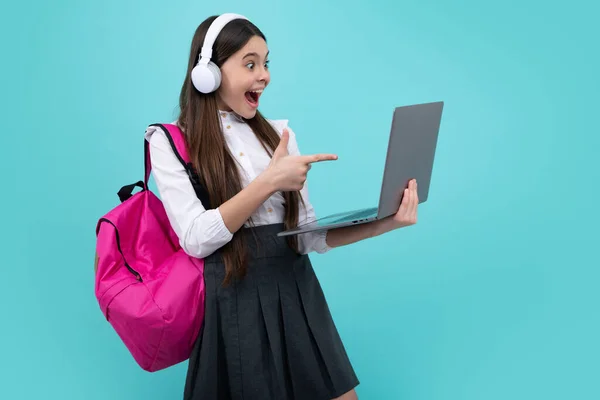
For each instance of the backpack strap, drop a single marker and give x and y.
(178, 144)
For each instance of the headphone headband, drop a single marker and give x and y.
(206, 76)
(213, 31)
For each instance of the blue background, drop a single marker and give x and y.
(492, 295)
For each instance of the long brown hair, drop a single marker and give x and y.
(210, 156)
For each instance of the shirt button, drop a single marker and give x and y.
(241, 154)
(269, 209)
(223, 115)
(228, 126)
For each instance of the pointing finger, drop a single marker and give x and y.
(318, 158)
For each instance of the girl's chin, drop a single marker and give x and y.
(246, 111)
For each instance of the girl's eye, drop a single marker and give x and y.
(250, 65)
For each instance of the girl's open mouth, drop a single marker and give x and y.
(252, 97)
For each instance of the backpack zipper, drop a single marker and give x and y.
(138, 277)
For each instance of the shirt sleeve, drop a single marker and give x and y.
(309, 241)
(200, 231)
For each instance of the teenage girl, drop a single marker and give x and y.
(268, 333)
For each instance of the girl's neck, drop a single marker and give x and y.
(221, 105)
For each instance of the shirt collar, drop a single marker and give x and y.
(229, 116)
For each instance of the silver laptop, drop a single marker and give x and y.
(410, 154)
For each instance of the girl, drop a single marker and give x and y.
(268, 333)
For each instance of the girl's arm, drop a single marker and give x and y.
(239, 208)
(406, 216)
(200, 231)
(351, 234)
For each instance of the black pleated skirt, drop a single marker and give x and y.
(270, 335)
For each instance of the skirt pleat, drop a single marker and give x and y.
(277, 358)
(270, 335)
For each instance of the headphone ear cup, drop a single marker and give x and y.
(206, 78)
(216, 73)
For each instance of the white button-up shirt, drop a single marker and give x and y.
(201, 232)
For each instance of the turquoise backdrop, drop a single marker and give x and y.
(493, 295)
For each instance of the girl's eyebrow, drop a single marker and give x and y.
(253, 54)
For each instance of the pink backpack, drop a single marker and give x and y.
(148, 288)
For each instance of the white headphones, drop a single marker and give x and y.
(206, 76)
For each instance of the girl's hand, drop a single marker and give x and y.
(407, 213)
(288, 173)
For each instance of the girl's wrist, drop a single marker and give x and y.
(385, 225)
(267, 183)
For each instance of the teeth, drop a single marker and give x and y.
(257, 91)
